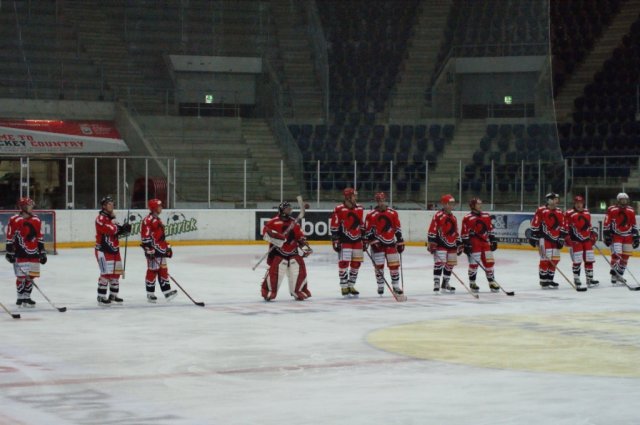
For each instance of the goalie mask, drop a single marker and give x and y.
(284, 209)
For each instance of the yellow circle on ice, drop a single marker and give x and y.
(598, 344)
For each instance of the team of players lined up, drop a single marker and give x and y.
(379, 234)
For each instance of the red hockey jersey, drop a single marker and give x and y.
(620, 220)
(477, 225)
(383, 226)
(444, 230)
(106, 233)
(24, 236)
(578, 224)
(152, 234)
(294, 239)
(549, 223)
(347, 224)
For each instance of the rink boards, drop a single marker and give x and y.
(75, 228)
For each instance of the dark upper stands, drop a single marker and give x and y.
(575, 25)
(41, 56)
(367, 42)
(604, 121)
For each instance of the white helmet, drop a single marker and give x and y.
(622, 196)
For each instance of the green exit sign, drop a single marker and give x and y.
(208, 98)
(508, 100)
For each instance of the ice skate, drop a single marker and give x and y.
(494, 286)
(171, 295)
(115, 299)
(474, 287)
(152, 298)
(104, 301)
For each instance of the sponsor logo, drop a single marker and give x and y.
(175, 223)
(315, 225)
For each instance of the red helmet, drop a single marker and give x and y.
(446, 199)
(348, 191)
(25, 202)
(474, 202)
(578, 198)
(154, 204)
(380, 196)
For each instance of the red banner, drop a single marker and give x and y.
(64, 137)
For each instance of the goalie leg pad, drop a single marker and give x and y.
(274, 276)
(297, 276)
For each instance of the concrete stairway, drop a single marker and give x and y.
(108, 49)
(407, 100)
(444, 179)
(266, 155)
(603, 49)
(295, 50)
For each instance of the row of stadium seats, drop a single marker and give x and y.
(575, 25)
(367, 42)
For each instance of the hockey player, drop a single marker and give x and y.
(384, 236)
(286, 240)
(548, 233)
(107, 252)
(347, 232)
(443, 241)
(479, 243)
(25, 250)
(156, 250)
(580, 240)
(620, 235)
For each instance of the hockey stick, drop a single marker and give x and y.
(544, 257)
(126, 238)
(399, 297)
(14, 315)
(631, 288)
(286, 232)
(509, 293)
(401, 274)
(465, 286)
(198, 303)
(26, 275)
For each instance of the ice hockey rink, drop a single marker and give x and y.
(540, 357)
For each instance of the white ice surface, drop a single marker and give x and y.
(240, 360)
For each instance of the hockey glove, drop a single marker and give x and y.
(467, 248)
(560, 243)
(365, 244)
(606, 237)
(459, 249)
(432, 247)
(43, 257)
(400, 247)
(636, 242)
(593, 235)
(337, 246)
(150, 253)
(11, 257)
(168, 252)
(493, 245)
(306, 250)
(125, 229)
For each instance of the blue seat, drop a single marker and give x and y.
(361, 144)
(390, 144)
(349, 132)
(434, 131)
(321, 131)
(420, 131)
(394, 131)
(438, 144)
(378, 131)
(405, 144)
(447, 131)
(421, 145)
(364, 131)
(407, 132)
(294, 130)
(492, 131)
(306, 130)
(485, 143)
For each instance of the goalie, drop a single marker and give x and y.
(287, 250)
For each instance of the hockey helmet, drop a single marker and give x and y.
(622, 196)
(154, 204)
(106, 200)
(283, 206)
(551, 195)
(445, 199)
(473, 203)
(348, 192)
(380, 197)
(25, 202)
(578, 198)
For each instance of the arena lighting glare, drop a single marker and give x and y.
(508, 100)
(208, 98)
